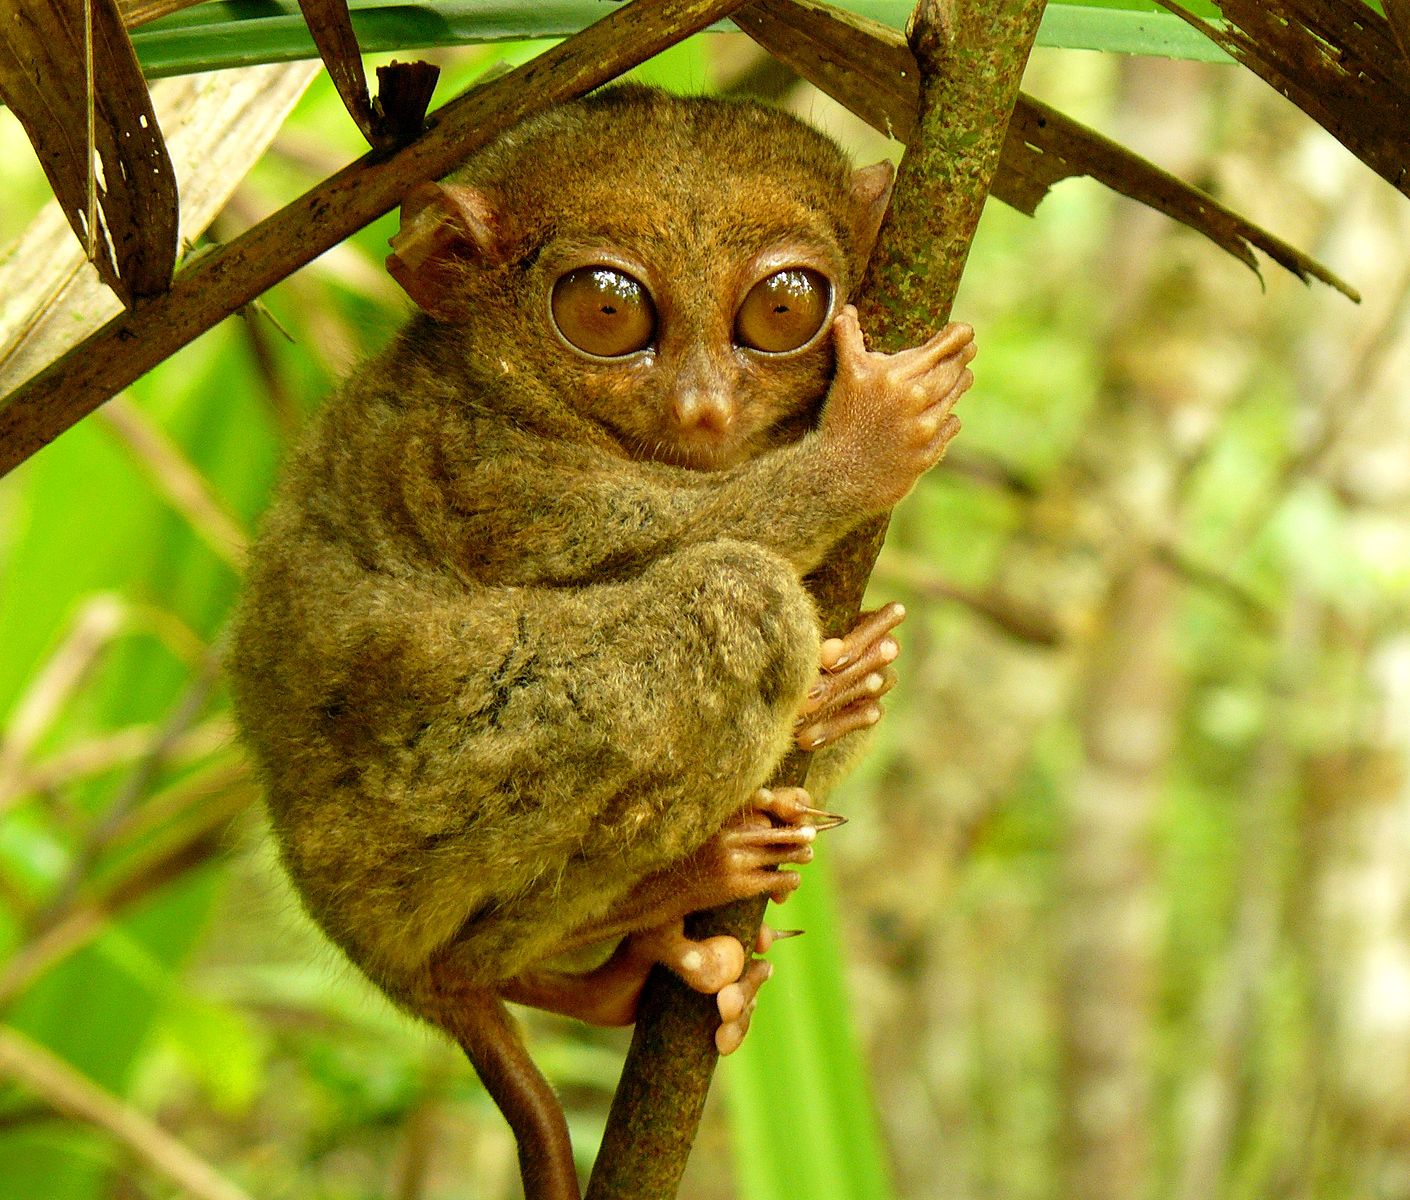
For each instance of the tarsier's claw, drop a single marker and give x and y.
(820, 820)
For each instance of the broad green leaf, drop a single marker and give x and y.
(238, 34)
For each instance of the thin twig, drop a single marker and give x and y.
(177, 479)
(1015, 617)
(72, 1093)
(140, 780)
(108, 751)
(98, 622)
(69, 928)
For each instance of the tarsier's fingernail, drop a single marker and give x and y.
(817, 690)
(819, 819)
(816, 742)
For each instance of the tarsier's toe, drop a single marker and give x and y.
(855, 673)
(736, 1004)
(861, 714)
(793, 806)
(711, 964)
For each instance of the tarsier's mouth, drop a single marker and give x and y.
(712, 455)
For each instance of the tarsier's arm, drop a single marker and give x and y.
(886, 420)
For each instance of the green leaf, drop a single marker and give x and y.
(242, 32)
(803, 1118)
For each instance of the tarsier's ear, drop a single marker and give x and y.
(443, 226)
(871, 192)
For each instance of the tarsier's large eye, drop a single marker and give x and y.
(783, 311)
(603, 311)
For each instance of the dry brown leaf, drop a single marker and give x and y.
(1337, 60)
(44, 80)
(1044, 147)
(217, 126)
(1398, 14)
(139, 12)
(868, 67)
(397, 114)
(330, 23)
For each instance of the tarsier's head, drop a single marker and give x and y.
(670, 266)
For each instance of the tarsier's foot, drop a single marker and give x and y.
(856, 673)
(715, 966)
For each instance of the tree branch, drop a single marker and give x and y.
(971, 55)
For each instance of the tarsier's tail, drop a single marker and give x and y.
(491, 1040)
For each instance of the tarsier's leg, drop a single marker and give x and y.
(609, 994)
(742, 860)
(855, 673)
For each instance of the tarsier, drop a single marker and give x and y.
(524, 632)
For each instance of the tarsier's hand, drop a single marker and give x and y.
(888, 416)
(855, 673)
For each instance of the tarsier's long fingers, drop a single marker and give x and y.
(770, 845)
(953, 346)
(949, 350)
(855, 674)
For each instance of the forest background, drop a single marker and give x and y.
(1123, 908)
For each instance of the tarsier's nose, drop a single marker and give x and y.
(704, 412)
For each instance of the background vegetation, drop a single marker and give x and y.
(1122, 909)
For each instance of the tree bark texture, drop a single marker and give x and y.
(971, 57)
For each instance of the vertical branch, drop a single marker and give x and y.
(971, 55)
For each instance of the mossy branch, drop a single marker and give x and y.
(971, 55)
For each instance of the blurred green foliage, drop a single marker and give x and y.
(923, 1039)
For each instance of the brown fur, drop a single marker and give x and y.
(498, 659)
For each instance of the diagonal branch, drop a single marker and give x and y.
(867, 67)
(217, 284)
(971, 55)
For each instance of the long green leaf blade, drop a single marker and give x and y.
(238, 33)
